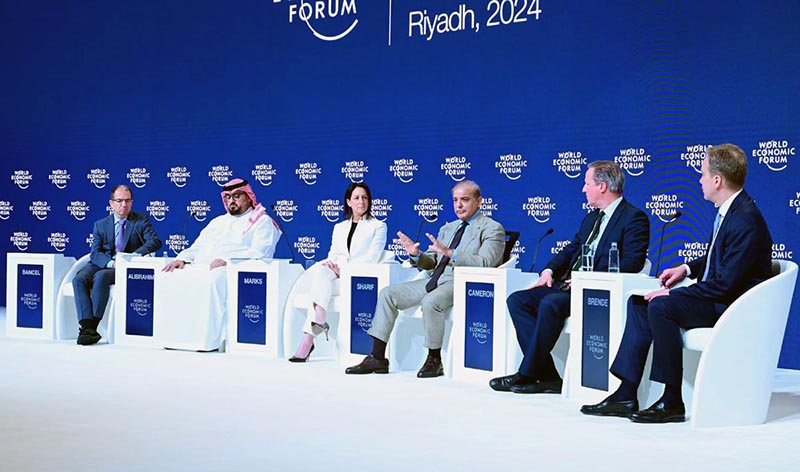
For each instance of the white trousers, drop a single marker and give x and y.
(321, 282)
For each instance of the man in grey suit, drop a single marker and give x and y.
(473, 240)
(121, 231)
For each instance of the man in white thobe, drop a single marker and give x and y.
(245, 231)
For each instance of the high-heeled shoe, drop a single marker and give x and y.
(317, 329)
(302, 359)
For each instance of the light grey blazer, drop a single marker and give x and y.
(482, 245)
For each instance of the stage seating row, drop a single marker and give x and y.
(728, 368)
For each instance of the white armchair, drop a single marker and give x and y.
(66, 322)
(740, 353)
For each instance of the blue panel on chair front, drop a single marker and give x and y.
(251, 308)
(594, 368)
(479, 326)
(139, 309)
(363, 298)
(30, 288)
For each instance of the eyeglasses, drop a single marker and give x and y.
(120, 200)
(231, 196)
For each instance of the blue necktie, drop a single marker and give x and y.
(717, 222)
(434, 280)
(120, 240)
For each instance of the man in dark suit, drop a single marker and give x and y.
(121, 231)
(473, 240)
(738, 258)
(540, 311)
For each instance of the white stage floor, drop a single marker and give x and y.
(65, 407)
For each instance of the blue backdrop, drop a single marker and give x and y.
(411, 96)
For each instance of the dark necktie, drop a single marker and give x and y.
(592, 236)
(120, 242)
(437, 272)
(717, 222)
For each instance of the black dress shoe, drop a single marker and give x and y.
(431, 368)
(88, 336)
(540, 386)
(660, 413)
(611, 408)
(370, 365)
(504, 384)
(302, 359)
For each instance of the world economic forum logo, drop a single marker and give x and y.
(22, 178)
(59, 178)
(330, 209)
(429, 209)
(488, 207)
(40, 209)
(220, 174)
(98, 177)
(793, 203)
(404, 170)
(355, 171)
(177, 243)
(308, 172)
(78, 209)
(285, 209)
(179, 176)
(138, 176)
(456, 167)
(633, 160)
(328, 20)
(774, 154)
(781, 251)
(199, 209)
(381, 208)
(141, 306)
(158, 209)
(5, 210)
(694, 156)
(263, 174)
(511, 165)
(253, 312)
(570, 163)
(398, 249)
(21, 240)
(664, 206)
(58, 241)
(307, 246)
(539, 208)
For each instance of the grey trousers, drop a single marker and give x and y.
(395, 298)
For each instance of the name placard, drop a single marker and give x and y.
(251, 309)
(479, 326)
(363, 298)
(596, 316)
(140, 284)
(30, 289)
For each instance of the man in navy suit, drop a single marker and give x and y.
(121, 231)
(738, 258)
(540, 311)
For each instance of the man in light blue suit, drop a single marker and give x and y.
(121, 231)
(472, 240)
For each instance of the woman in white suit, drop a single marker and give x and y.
(358, 238)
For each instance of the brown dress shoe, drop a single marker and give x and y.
(431, 368)
(370, 365)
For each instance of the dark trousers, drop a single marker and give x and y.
(659, 323)
(539, 315)
(92, 286)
